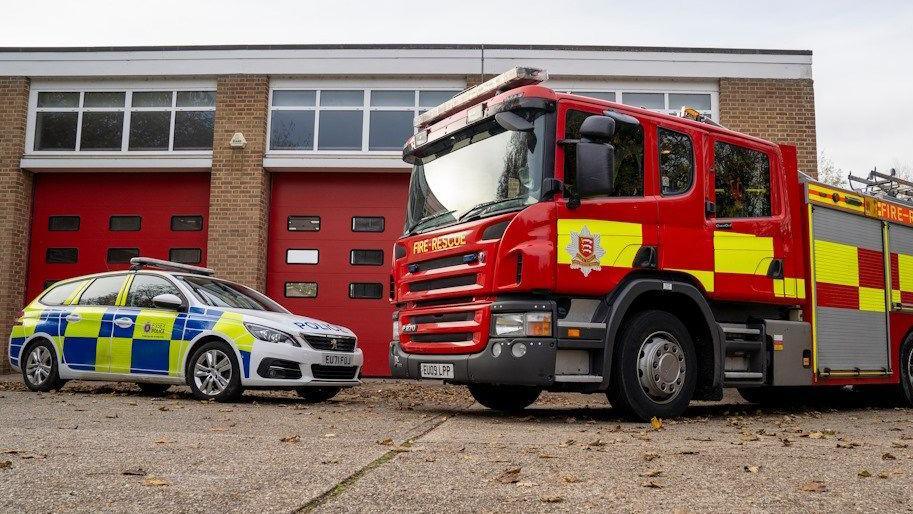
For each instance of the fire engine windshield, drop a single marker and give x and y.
(478, 172)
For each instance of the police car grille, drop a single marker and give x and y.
(330, 343)
(322, 372)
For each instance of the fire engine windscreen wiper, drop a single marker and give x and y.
(477, 211)
(424, 221)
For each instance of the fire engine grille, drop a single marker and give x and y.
(444, 301)
(322, 372)
(330, 343)
(443, 283)
(456, 337)
(443, 262)
(420, 319)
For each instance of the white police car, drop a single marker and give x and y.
(164, 323)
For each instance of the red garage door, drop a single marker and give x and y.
(329, 251)
(92, 222)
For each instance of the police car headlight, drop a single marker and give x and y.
(522, 324)
(270, 335)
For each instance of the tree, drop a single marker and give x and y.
(829, 173)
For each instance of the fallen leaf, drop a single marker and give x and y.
(163, 441)
(138, 472)
(154, 481)
(652, 473)
(5, 464)
(747, 437)
(164, 408)
(888, 456)
(847, 445)
(291, 439)
(786, 442)
(551, 499)
(329, 436)
(597, 442)
(651, 485)
(649, 456)
(898, 444)
(509, 476)
(385, 442)
(705, 439)
(218, 429)
(815, 486)
(330, 461)
(569, 442)
(571, 479)
(547, 456)
(751, 469)
(689, 452)
(864, 473)
(816, 435)
(883, 475)
(656, 423)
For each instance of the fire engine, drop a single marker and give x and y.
(563, 243)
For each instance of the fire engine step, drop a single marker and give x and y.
(745, 348)
(743, 375)
(580, 379)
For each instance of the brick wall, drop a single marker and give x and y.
(239, 194)
(779, 110)
(15, 205)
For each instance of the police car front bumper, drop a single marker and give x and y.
(535, 367)
(281, 365)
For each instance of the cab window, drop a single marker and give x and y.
(102, 291)
(742, 181)
(676, 162)
(146, 287)
(59, 294)
(629, 154)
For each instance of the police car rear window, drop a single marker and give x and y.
(58, 294)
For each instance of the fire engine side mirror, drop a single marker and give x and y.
(596, 157)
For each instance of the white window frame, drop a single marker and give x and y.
(112, 87)
(664, 87)
(366, 109)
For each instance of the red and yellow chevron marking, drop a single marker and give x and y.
(848, 277)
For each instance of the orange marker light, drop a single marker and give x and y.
(573, 332)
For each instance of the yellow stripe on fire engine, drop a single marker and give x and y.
(871, 299)
(619, 240)
(789, 288)
(835, 198)
(836, 263)
(746, 254)
(704, 277)
(905, 272)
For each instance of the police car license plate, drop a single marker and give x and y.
(436, 370)
(337, 360)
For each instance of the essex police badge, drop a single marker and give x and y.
(585, 251)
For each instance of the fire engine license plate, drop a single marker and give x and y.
(337, 360)
(436, 370)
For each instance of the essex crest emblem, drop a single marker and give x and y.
(585, 251)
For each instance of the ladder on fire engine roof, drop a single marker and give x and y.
(138, 263)
(882, 185)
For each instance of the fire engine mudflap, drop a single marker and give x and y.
(563, 243)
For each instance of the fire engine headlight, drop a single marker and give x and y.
(522, 324)
(396, 326)
(270, 335)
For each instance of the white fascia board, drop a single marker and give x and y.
(182, 162)
(335, 162)
(386, 61)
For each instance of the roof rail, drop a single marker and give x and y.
(138, 263)
(882, 185)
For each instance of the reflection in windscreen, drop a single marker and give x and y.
(216, 293)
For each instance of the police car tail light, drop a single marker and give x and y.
(271, 335)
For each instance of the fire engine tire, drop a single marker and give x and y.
(39, 367)
(151, 389)
(655, 367)
(906, 369)
(213, 373)
(504, 398)
(317, 394)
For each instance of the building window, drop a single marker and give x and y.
(186, 223)
(124, 223)
(366, 257)
(121, 255)
(742, 181)
(347, 120)
(366, 290)
(302, 256)
(63, 223)
(665, 102)
(301, 289)
(676, 162)
(185, 255)
(61, 255)
(367, 224)
(113, 121)
(304, 223)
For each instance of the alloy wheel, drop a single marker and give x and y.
(38, 365)
(212, 372)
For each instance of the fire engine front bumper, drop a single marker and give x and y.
(516, 361)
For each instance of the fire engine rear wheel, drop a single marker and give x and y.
(906, 369)
(655, 370)
(504, 398)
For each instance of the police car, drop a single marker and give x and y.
(163, 323)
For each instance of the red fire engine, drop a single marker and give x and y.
(563, 243)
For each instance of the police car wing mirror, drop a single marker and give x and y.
(595, 165)
(168, 301)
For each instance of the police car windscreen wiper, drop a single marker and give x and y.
(424, 221)
(477, 211)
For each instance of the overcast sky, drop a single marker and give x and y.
(863, 51)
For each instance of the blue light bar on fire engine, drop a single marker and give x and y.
(510, 79)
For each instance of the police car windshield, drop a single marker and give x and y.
(480, 171)
(217, 293)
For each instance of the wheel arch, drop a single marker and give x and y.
(684, 301)
(203, 339)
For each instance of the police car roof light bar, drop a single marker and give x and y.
(519, 76)
(137, 263)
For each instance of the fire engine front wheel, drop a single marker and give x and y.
(504, 398)
(655, 370)
(906, 369)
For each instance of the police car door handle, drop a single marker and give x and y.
(73, 318)
(123, 322)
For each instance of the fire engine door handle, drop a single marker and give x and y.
(73, 318)
(123, 322)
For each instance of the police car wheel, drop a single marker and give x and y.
(213, 373)
(39, 367)
(317, 394)
(655, 367)
(504, 398)
(906, 370)
(153, 389)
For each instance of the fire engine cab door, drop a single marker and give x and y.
(598, 240)
(851, 321)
